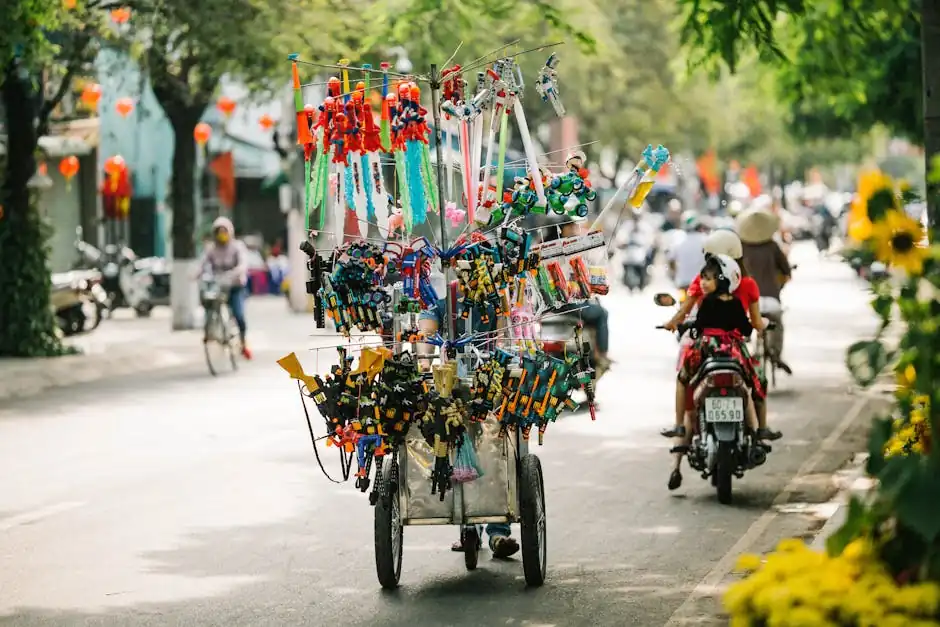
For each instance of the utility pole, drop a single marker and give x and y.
(930, 61)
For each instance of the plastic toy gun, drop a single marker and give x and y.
(584, 374)
(547, 85)
(446, 427)
(316, 267)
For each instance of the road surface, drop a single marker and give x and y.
(179, 499)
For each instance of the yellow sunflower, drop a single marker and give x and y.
(896, 236)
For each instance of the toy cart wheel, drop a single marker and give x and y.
(470, 539)
(532, 515)
(388, 531)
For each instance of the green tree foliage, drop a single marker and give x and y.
(842, 66)
(42, 47)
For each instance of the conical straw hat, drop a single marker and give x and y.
(756, 226)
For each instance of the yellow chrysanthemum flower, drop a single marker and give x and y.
(895, 237)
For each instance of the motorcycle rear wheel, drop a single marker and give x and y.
(724, 471)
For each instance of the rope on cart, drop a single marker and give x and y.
(345, 460)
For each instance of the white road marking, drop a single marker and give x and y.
(713, 579)
(38, 514)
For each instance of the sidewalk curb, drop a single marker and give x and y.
(851, 482)
(34, 376)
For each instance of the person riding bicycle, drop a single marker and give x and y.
(724, 242)
(722, 324)
(769, 266)
(226, 259)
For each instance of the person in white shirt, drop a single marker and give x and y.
(688, 257)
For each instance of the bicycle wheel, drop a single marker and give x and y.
(217, 340)
(230, 336)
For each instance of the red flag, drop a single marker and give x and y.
(751, 178)
(707, 166)
(223, 167)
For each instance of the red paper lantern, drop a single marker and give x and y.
(120, 15)
(226, 105)
(116, 188)
(202, 133)
(124, 106)
(91, 94)
(68, 167)
(266, 122)
(115, 165)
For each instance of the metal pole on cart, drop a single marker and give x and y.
(450, 331)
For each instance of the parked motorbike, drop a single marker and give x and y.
(129, 282)
(78, 300)
(635, 266)
(722, 446)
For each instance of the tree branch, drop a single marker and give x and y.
(75, 63)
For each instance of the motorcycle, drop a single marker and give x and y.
(129, 282)
(635, 267)
(78, 300)
(722, 447)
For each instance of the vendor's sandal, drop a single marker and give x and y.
(783, 366)
(503, 546)
(675, 479)
(676, 432)
(767, 434)
(682, 449)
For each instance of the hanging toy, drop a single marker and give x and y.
(572, 183)
(443, 426)
(547, 85)
(466, 465)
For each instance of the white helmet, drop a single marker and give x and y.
(723, 242)
(730, 271)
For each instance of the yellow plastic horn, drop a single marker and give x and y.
(292, 366)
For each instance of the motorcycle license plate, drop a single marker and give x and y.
(724, 409)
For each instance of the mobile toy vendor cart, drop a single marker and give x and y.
(455, 453)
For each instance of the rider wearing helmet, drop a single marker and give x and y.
(686, 259)
(227, 259)
(724, 321)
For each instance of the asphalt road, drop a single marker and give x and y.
(178, 499)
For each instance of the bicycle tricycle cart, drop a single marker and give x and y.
(509, 490)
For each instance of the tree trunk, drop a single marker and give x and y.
(183, 294)
(930, 59)
(27, 323)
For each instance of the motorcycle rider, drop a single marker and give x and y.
(226, 258)
(724, 242)
(723, 324)
(769, 266)
(686, 259)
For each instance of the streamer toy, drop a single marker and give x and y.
(443, 426)
(573, 183)
(410, 131)
(547, 85)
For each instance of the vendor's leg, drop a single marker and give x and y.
(594, 315)
(501, 542)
